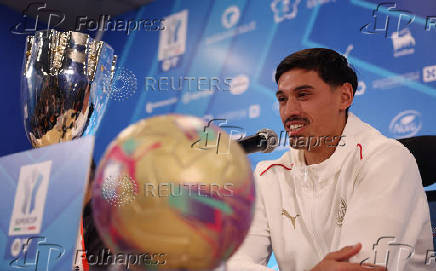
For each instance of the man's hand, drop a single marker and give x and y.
(338, 261)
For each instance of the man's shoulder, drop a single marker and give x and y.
(383, 156)
(376, 145)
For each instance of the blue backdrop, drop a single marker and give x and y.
(245, 40)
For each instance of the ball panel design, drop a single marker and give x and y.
(176, 194)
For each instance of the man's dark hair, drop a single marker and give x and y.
(332, 67)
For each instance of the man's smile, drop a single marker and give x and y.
(295, 127)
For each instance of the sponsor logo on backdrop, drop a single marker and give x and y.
(229, 20)
(252, 112)
(239, 84)
(192, 96)
(284, 9)
(233, 115)
(395, 81)
(429, 74)
(275, 108)
(313, 3)
(30, 199)
(150, 106)
(406, 124)
(403, 42)
(172, 40)
(361, 88)
(230, 17)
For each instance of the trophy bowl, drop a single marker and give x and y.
(65, 85)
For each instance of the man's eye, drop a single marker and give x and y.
(281, 99)
(302, 94)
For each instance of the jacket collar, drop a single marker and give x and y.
(333, 164)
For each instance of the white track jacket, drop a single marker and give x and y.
(368, 191)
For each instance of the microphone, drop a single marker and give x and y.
(265, 140)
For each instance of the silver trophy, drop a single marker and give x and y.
(65, 85)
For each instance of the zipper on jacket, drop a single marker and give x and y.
(314, 227)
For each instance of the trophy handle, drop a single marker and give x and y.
(59, 45)
(94, 50)
(28, 52)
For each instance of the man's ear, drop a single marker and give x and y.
(345, 96)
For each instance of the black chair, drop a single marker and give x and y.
(424, 150)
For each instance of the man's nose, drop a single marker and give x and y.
(292, 107)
